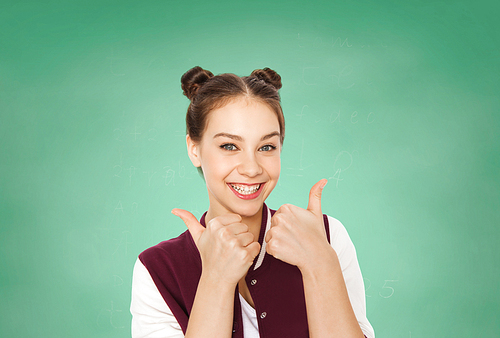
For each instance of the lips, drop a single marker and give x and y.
(246, 191)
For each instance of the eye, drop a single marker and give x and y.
(229, 147)
(267, 147)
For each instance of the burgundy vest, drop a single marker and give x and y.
(276, 287)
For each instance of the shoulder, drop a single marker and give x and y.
(340, 240)
(171, 246)
(174, 266)
(150, 313)
(346, 252)
(336, 228)
(176, 250)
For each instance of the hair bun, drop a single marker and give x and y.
(193, 79)
(269, 76)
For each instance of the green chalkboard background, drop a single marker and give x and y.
(396, 102)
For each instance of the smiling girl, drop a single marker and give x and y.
(244, 270)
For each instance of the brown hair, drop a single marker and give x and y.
(208, 92)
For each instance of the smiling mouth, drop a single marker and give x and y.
(244, 189)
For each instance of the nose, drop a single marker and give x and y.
(250, 166)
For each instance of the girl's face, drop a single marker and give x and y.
(240, 156)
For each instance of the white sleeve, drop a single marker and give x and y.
(151, 316)
(343, 246)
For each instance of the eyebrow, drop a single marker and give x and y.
(239, 138)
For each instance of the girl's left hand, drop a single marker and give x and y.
(298, 236)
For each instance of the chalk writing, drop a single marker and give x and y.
(117, 134)
(152, 134)
(386, 290)
(166, 175)
(341, 78)
(135, 133)
(150, 176)
(111, 66)
(304, 76)
(123, 242)
(368, 118)
(354, 117)
(112, 313)
(169, 176)
(299, 38)
(117, 169)
(343, 162)
(337, 117)
(318, 42)
(119, 207)
(367, 287)
(131, 173)
(341, 44)
(301, 166)
(117, 281)
(390, 293)
(302, 111)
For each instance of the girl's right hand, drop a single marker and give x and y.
(226, 247)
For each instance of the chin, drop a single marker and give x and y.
(248, 210)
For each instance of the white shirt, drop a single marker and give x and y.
(152, 318)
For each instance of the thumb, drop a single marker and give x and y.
(194, 227)
(315, 197)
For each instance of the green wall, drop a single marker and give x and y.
(396, 102)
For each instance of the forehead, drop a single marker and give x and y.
(242, 116)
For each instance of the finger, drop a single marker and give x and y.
(194, 227)
(253, 249)
(280, 217)
(226, 219)
(237, 228)
(315, 197)
(270, 250)
(269, 235)
(245, 239)
(277, 219)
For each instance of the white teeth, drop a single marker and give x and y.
(245, 189)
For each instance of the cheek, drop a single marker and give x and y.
(218, 166)
(273, 166)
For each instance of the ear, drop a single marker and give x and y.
(193, 151)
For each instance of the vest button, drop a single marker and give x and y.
(263, 315)
(253, 282)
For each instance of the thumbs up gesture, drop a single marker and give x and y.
(226, 247)
(297, 236)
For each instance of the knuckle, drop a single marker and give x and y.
(269, 250)
(284, 208)
(223, 233)
(213, 223)
(277, 231)
(233, 218)
(273, 245)
(279, 218)
(270, 233)
(233, 242)
(248, 236)
(245, 255)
